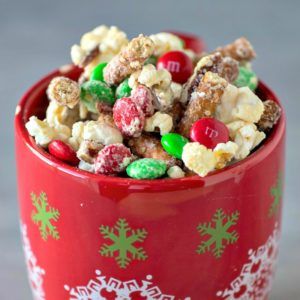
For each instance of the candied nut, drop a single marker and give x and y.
(198, 158)
(270, 116)
(128, 117)
(130, 59)
(246, 136)
(88, 150)
(64, 91)
(147, 146)
(225, 67)
(143, 97)
(239, 104)
(113, 159)
(161, 121)
(43, 133)
(224, 153)
(175, 172)
(204, 101)
(241, 50)
(165, 42)
(102, 133)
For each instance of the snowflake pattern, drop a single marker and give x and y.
(219, 236)
(123, 239)
(255, 279)
(35, 272)
(103, 288)
(276, 193)
(43, 215)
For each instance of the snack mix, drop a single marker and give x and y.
(149, 108)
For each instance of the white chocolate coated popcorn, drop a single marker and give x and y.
(175, 172)
(86, 166)
(159, 120)
(239, 104)
(77, 135)
(224, 153)
(102, 133)
(198, 158)
(246, 136)
(43, 133)
(159, 81)
(165, 42)
(57, 114)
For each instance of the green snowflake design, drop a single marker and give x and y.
(123, 239)
(219, 236)
(276, 193)
(43, 215)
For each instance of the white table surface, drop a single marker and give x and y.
(35, 36)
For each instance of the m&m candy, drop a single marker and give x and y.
(209, 132)
(178, 64)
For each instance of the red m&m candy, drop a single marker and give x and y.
(209, 132)
(63, 151)
(178, 64)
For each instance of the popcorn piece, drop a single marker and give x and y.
(239, 104)
(101, 133)
(150, 147)
(83, 111)
(225, 67)
(99, 45)
(241, 50)
(64, 91)
(224, 153)
(77, 135)
(159, 81)
(88, 151)
(270, 116)
(246, 136)
(107, 118)
(130, 59)
(43, 133)
(57, 114)
(198, 158)
(86, 166)
(150, 77)
(165, 42)
(161, 121)
(175, 172)
(176, 89)
(204, 101)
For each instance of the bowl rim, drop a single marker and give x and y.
(216, 176)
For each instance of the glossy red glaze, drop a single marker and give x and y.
(178, 64)
(209, 132)
(169, 210)
(191, 41)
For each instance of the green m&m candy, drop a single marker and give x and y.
(123, 89)
(97, 73)
(146, 168)
(94, 91)
(246, 78)
(173, 143)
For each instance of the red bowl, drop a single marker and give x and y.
(191, 41)
(88, 236)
